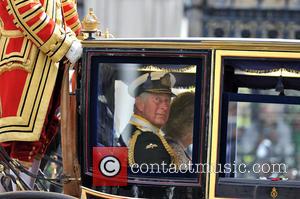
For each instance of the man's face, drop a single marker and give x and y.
(155, 108)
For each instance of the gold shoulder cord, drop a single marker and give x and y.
(132, 142)
(169, 149)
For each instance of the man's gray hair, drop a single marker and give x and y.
(143, 96)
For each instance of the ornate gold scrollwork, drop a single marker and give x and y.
(274, 193)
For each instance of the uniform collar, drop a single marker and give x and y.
(144, 125)
(140, 123)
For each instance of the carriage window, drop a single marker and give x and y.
(261, 122)
(118, 86)
(151, 107)
(262, 138)
(147, 108)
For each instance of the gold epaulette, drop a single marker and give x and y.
(169, 149)
(132, 142)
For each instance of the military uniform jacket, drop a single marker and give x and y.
(146, 143)
(34, 36)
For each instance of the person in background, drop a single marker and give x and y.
(37, 38)
(179, 134)
(179, 128)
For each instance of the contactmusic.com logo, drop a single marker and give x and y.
(110, 166)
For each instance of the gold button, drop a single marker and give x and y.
(61, 37)
(58, 21)
(33, 148)
(27, 62)
(29, 157)
(30, 153)
(52, 47)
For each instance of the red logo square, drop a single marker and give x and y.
(110, 166)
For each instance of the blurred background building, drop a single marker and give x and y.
(138, 18)
(244, 18)
(197, 18)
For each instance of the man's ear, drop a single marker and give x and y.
(139, 102)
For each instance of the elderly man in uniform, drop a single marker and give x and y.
(35, 35)
(143, 134)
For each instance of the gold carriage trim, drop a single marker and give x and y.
(270, 70)
(86, 192)
(181, 69)
(274, 193)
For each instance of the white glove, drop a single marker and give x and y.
(74, 52)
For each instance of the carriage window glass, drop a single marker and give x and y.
(115, 109)
(264, 137)
(260, 122)
(115, 101)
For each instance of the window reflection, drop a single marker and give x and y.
(264, 133)
(112, 105)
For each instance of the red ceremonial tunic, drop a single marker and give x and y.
(34, 36)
